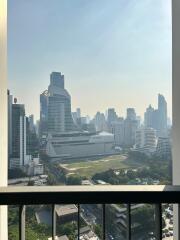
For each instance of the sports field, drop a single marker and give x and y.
(89, 167)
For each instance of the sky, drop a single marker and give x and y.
(113, 53)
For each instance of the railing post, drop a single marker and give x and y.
(178, 227)
(158, 221)
(104, 220)
(53, 222)
(78, 223)
(128, 222)
(22, 214)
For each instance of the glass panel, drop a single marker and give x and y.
(66, 220)
(89, 97)
(13, 222)
(167, 232)
(38, 222)
(116, 221)
(91, 224)
(89, 102)
(143, 221)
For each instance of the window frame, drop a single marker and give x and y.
(4, 116)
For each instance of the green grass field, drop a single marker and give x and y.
(89, 167)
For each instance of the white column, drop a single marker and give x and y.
(3, 115)
(176, 103)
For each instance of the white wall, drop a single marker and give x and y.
(3, 111)
(176, 101)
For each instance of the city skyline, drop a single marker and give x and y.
(58, 112)
(108, 59)
(104, 112)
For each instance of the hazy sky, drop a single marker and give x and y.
(113, 53)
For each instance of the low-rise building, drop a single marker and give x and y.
(86, 233)
(38, 169)
(80, 144)
(66, 213)
(64, 237)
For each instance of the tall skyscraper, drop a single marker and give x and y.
(130, 127)
(10, 100)
(157, 118)
(31, 123)
(59, 106)
(149, 117)
(131, 114)
(117, 128)
(100, 122)
(57, 79)
(111, 115)
(78, 110)
(162, 111)
(18, 155)
(32, 143)
(43, 125)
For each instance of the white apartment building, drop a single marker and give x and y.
(146, 140)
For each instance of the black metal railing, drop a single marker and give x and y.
(103, 195)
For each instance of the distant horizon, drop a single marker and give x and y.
(114, 54)
(103, 111)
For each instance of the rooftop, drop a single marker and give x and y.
(62, 210)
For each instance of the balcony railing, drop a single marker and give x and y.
(103, 195)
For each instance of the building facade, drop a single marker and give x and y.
(18, 156)
(164, 148)
(117, 128)
(59, 106)
(79, 144)
(43, 125)
(9, 102)
(157, 118)
(146, 140)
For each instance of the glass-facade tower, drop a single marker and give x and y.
(59, 106)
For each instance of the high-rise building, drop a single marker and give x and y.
(78, 110)
(75, 117)
(146, 140)
(149, 117)
(130, 127)
(31, 123)
(18, 156)
(117, 128)
(162, 111)
(100, 122)
(157, 118)
(10, 100)
(43, 125)
(59, 106)
(111, 115)
(131, 114)
(57, 79)
(37, 127)
(164, 148)
(32, 143)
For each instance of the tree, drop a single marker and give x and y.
(30, 183)
(98, 231)
(16, 173)
(73, 180)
